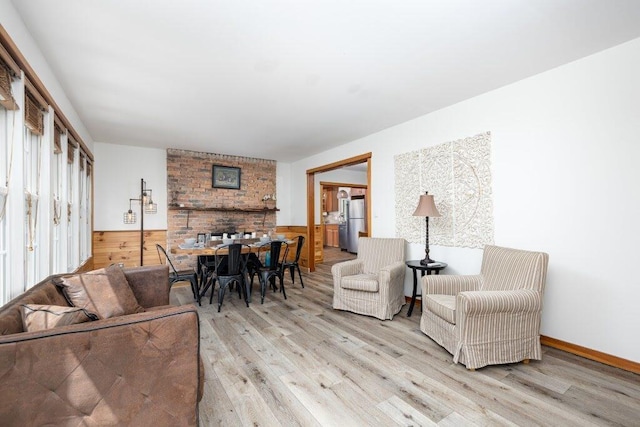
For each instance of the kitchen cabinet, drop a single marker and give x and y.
(331, 199)
(357, 191)
(331, 235)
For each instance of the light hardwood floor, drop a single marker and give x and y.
(299, 362)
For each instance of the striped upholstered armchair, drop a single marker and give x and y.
(373, 283)
(490, 318)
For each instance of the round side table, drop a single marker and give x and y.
(415, 266)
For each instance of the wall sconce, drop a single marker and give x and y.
(146, 206)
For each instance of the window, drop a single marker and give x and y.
(88, 197)
(82, 209)
(45, 187)
(71, 208)
(5, 164)
(32, 179)
(8, 113)
(57, 169)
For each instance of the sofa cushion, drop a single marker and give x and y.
(361, 282)
(104, 292)
(44, 293)
(444, 306)
(38, 317)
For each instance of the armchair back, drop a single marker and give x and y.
(510, 269)
(376, 253)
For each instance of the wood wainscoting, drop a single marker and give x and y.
(291, 231)
(123, 247)
(115, 247)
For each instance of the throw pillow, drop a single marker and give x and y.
(38, 317)
(105, 292)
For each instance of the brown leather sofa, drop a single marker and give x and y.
(139, 369)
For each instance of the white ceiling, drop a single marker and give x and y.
(287, 79)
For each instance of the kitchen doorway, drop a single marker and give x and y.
(311, 205)
(335, 198)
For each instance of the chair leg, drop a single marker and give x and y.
(263, 286)
(194, 287)
(291, 272)
(300, 274)
(221, 290)
(211, 282)
(282, 286)
(245, 287)
(248, 288)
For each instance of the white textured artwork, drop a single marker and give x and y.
(407, 169)
(458, 175)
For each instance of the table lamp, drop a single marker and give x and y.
(426, 208)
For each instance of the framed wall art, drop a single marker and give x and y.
(226, 177)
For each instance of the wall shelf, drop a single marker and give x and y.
(223, 209)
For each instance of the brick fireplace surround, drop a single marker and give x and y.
(189, 182)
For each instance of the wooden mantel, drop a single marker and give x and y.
(222, 209)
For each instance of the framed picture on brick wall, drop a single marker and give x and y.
(226, 177)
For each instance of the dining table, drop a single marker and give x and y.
(210, 249)
(250, 246)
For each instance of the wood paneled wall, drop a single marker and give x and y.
(115, 247)
(291, 231)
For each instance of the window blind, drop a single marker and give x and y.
(35, 106)
(71, 147)
(6, 96)
(58, 131)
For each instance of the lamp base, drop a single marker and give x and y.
(426, 261)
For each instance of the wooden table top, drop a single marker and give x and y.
(211, 250)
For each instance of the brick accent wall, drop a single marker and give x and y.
(189, 182)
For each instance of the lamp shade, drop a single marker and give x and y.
(426, 207)
(150, 207)
(129, 217)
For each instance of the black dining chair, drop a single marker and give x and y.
(178, 276)
(269, 267)
(206, 265)
(230, 268)
(293, 264)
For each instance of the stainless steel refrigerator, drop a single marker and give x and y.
(343, 232)
(356, 222)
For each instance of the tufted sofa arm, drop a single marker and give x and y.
(140, 369)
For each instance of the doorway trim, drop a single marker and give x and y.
(311, 198)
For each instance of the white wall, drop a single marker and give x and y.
(283, 192)
(565, 177)
(12, 23)
(118, 171)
